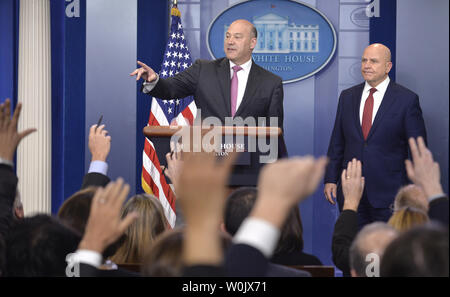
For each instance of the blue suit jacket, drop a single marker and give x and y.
(384, 152)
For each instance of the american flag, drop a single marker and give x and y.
(172, 111)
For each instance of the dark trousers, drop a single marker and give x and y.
(366, 212)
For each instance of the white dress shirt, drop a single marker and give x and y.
(377, 98)
(258, 234)
(242, 79)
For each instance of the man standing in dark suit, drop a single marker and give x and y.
(373, 123)
(227, 87)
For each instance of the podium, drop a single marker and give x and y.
(257, 146)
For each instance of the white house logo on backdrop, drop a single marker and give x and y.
(295, 40)
(359, 17)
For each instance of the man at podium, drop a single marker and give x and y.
(229, 87)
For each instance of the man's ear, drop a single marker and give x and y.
(18, 212)
(222, 228)
(253, 43)
(389, 67)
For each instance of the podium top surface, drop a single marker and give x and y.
(167, 131)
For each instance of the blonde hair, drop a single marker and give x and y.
(408, 217)
(142, 232)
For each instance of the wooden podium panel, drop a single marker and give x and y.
(247, 166)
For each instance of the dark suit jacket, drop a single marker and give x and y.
(384, 152)
(242, 260)
(295, 258)
(95, 179)
(8, 185)
(345, 230)
(438, 210)
(210, 83)
(275, 270)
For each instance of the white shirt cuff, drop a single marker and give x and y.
(259, 234)
(6, 162)
(148, 86)
(86, 257)
(435, 197)
(98, 167)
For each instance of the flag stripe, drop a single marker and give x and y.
(171, 111)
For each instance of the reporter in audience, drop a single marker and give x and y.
(35, 246)
(164, 258)
(368, 247)
(238, 206)
(104, 227)
(407, 218)
(412, 196)
(143, 231)
(424, 172)
(346, 226)
(420, 252)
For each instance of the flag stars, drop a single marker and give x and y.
(172, 64)
(168, 54)
(169, 110)
(170, 44)
(173, 36)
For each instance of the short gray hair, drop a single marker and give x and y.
(361, 247)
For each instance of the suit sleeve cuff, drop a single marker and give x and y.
(148, 86)
(98, 167)
(259, 234)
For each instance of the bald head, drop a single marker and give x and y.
(246, 24)
(382, 49)
(376, 64)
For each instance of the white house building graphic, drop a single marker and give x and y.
(276, 35)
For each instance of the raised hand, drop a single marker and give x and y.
(9, 136)
(352, 184)
(423, 170)
(284, 184)
(99, 143)
(145, 72)
(105, 225)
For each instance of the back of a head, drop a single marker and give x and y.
(421, 251)
(407, 218)
(238, 206)
(164, 257)
(38, 245)
(74, 212)
(141, 233)
(291, 237)
(412, 196)
(371, 240)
